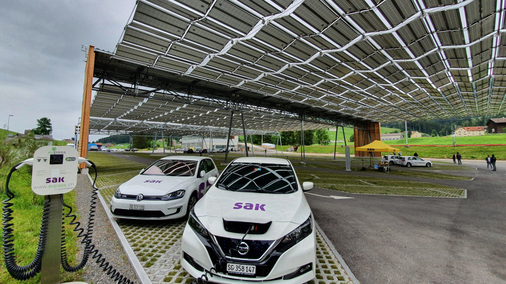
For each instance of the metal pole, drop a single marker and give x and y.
(302, 153)
(163, 143)
(211, 148)
(8, 123)
(228, 137)
(154, 145)
(406, 130)
(252, 146)
(50, 269)
(344, 137)
(280, 142)
(244, 133)
(335, 143)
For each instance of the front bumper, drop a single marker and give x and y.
(152, 210)
(296, 265)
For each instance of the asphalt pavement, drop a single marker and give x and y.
(391, 239)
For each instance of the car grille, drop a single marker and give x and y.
(256, 248)
(135, 213)
(244, 227)
(145, 197)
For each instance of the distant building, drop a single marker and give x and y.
(416, 134)
(470, 131)
(391, 136)
(496, 125)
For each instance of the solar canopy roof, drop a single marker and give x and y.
(191, 62)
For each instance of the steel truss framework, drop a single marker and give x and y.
(344, 61)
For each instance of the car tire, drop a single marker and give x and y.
(428, 165)
(408, 165)
(191, 203)
(391, 163)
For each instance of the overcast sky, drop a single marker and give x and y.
(41, 59)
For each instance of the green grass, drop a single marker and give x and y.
(331, 174)
(499, 138)
(381, 185)
(27, 214)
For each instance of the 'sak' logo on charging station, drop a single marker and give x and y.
(55, 180)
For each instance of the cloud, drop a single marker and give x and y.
(41, 58)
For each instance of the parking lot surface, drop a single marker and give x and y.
(373, 239)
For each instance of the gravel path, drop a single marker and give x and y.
(104, 238)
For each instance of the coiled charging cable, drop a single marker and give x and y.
(89, 247)
(28, 271)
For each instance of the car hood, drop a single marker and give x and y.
(154, 185)
(285, 211)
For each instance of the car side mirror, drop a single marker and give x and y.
(211, 180)
(307, 185)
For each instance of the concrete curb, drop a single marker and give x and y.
(132, 258)
(334, 251)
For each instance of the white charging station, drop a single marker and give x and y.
(54, 170)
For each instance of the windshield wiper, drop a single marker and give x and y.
(224, 186)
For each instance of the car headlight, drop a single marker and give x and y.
(174, 195)
(195, 224)
(118, 194)
(295, 236)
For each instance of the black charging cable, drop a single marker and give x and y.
(89, 247)
(28, 271)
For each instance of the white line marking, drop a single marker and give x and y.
(330, 196)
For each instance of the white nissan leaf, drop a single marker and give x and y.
(254, 224)
(167, 189)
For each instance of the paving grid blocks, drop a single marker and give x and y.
(157, 244)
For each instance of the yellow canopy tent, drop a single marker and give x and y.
(377, 146)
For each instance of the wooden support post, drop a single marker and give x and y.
(86, 106)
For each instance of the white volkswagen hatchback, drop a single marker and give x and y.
(253, 225)
(167, 189)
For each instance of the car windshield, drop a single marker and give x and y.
(265, 178)
(171, 168)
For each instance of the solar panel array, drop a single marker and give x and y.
(373, 60)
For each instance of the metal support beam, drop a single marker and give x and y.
(154, 144)
(244, 133)
(228, 136)
(163, 143)
(303, 150)
(344, 137)
(335, 143)
(280, 142)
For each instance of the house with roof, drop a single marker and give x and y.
(470, 131)
(416, 134)
(496, 125)
(391, 136)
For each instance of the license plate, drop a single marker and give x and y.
(241, 269)
(136, 206)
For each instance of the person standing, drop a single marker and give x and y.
(488, 159)
(492, 161)
(415, 154)
(459, 158)
(454, 158)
